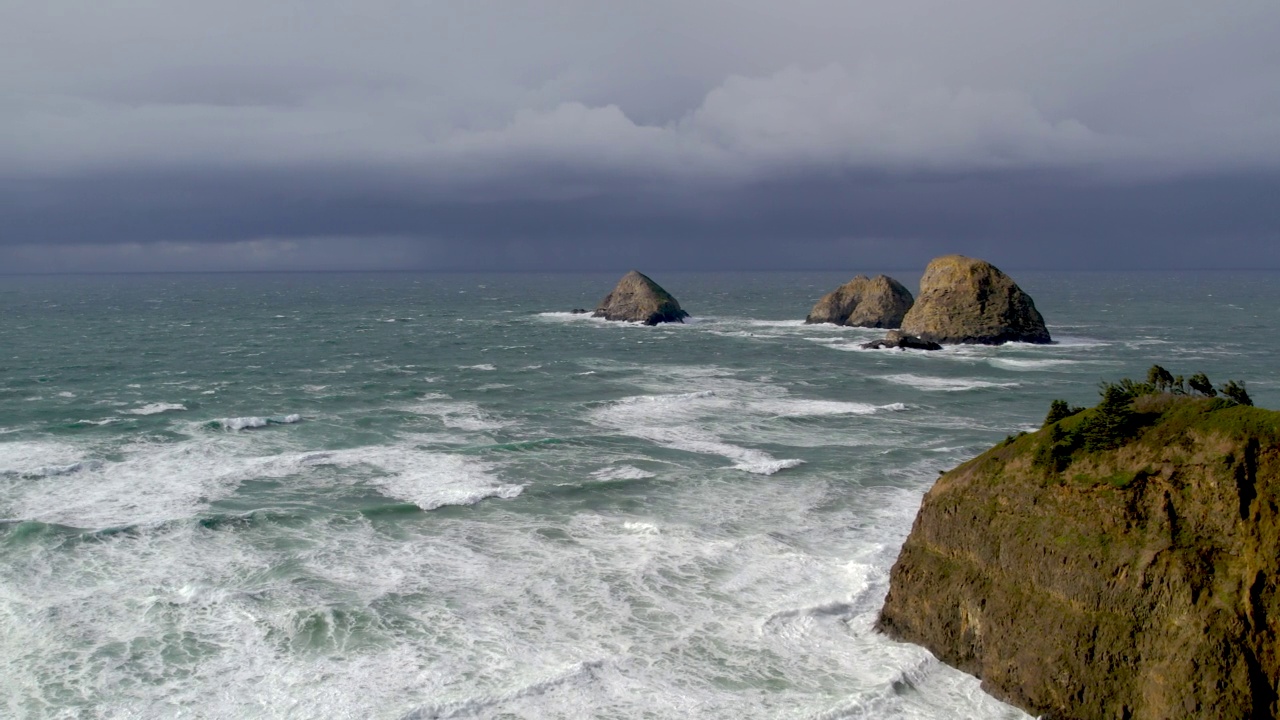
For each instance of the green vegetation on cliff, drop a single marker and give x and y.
(1121, 562)
(1127, 408)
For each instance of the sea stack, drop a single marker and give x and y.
(636, 298)
(1121, 562)
(878, 302)
(964, 300)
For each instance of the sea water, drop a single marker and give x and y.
(446, 496)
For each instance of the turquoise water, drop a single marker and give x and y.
(444, 496)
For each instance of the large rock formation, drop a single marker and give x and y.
(1120, 563)
(963, 300)
(636, 298)
(878, 302)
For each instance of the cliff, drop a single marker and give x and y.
(965, 300)
(878, 302)
(636, 298)
(1119, 563)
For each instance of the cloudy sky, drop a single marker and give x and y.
(669, 134)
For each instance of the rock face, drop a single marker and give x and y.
(1137, 581)
(636, 298)
(895, 339)
(878, 302)
(963, 300)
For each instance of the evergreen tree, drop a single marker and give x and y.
(1235, 391)
(1200, 383)
(1160, 379)
(1109, 425)
(1059, 410)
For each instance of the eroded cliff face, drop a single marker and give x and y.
(1132, 582)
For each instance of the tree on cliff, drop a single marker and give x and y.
(1160, 378)
(1109, 425)
(1060, 410)
(1200, 383)
(1236, 392)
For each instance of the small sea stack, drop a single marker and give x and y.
(897, 340)
(965, 300)
(878, 302)
(636, 298)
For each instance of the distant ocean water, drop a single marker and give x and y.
(445, 496)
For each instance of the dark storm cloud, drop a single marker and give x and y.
(746, 134)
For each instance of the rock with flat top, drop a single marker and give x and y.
(636, 298)
(965, 300)
(896, 339)
(878, 302)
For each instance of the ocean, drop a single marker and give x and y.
(445, 496)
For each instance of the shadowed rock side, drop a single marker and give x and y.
(896, 340)
(1136, 581)
(963, 300)
(636, 298)
(878, 302)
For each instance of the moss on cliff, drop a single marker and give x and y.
(1132, 578)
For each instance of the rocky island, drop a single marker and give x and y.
(965, 300)
(878, 302)
(636, 298)
(1121, 562)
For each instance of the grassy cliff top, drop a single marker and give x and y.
(1136, 427)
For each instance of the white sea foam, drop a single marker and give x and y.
(425, 478)
(484, 704)
(103, 421)
(1067, 342)
(1030, 363)
(940, 384)
(641, 528)
(438, 480)
(66, 394)
(790, 407)
(484, 367)
(668, 421)
(27, 457)
(247, 423)
(778, 323)
(331, 617)
(151, 483)
(154, 483)
(457, 414)
(155, 408)
(621, 472)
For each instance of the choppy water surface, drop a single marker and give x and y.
(444, 496)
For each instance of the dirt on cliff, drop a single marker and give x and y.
(1081, 578)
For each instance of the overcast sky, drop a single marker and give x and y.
(666, 134)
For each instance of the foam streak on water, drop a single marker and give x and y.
(255, 496)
